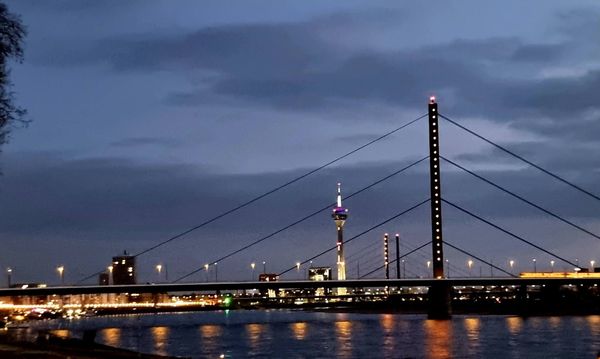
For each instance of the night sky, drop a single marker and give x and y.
(150, 117)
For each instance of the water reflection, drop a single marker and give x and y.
(210, 338)
(343, 334)
(514, 325)
(438, 338)
(387, 324)
(62, 333)
(554, 322)
(112, 337)
(255, 333)
(472, 327)
(593, 322)
(299, 330)
(160, 336)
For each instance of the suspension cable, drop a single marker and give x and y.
(509, 233)
(479, 259)
(359, 235)
(265, 194)
(328, 206)
(523, 199)
(555, 176)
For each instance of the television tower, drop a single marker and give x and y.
(339, 216)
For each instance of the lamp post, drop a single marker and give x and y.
(8, 276)
(403, 268)
(206, 266)
(158, 270)
(511, 263)
(297, 267)
(428, 266)
(592, 262)
(447, 269)
(252, 265)
(216, 272)
(110, 275)
(552, 266)
(534, 265)
(264, 267)
(61, 274)
(470, 265)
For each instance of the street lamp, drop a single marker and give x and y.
(592, 262)
(61, 274)
(216, 272)
(511, 263)
(252, 265)
(470, 264)
(534, 265)
(264, 267)
(110, 278)
(8, 275)
(158, 270)
(552, 265)
(403, 268)
(298, 267)
(428, 265)
(206, 269)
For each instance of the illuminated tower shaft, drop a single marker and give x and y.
(339, 216)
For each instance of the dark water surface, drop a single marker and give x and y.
(301, 334)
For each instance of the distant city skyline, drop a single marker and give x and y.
(149, 117)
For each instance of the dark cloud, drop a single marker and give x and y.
(119, 205)
(146, 141)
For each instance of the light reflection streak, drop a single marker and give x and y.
(343, 334)
(514, 324)
(210, 337)
(112, 337)
(254, 332)
(387, 324)
(438, 338)
(160, 336)
(299, 330)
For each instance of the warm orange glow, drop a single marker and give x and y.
(343, 334)
(255, 332)
(112, 336)
(438, 338)
(514, 324)
(299, 330)
(160, 336)
(559, 275)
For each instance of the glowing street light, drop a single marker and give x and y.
(216, 272)
(534, 265)
(206, 266)
(61, 273)
(511, 263)
(264, 267)
(470, 265)
(252, 265)
(592, 262)
(552, 265)
(297, 266)
(110, 275)
(158, 270)
(9, 275)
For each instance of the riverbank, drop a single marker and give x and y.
(48, 346)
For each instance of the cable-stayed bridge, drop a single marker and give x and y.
(440, 283)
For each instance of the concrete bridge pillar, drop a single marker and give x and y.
(440, 300)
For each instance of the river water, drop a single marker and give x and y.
(305, 334)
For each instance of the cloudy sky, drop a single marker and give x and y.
(150, 117)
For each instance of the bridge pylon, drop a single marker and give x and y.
(439, 294)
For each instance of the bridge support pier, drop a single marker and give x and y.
(439, 297)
